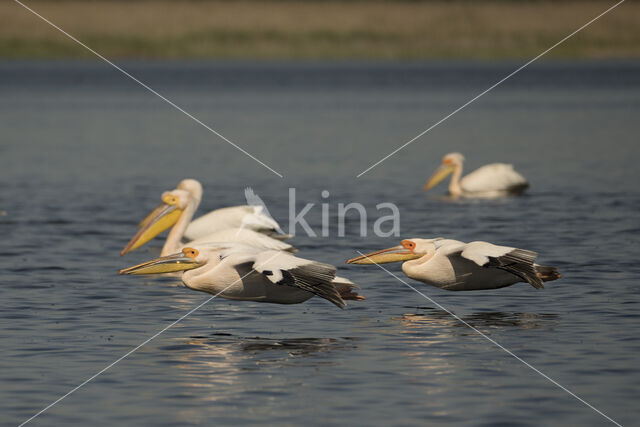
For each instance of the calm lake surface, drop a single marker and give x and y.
(85, 153)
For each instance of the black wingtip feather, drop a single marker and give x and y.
(519, 262)
(315, 278)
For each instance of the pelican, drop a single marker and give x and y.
(245, 273)
(457, 266)
(494, 180)
(175, 212)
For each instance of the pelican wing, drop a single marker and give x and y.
(482, 252)
(264, 216)
(282, 268)
(246, 236)
(493, 177)
(246, 216)
(258, 220)
(519, 262)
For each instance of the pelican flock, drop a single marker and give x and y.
(239, 252)
(457, 266)
(242, 272)
(489, 181)
(232, 258)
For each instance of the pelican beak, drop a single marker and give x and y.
(395, 254)
(162, 218)
(147, 219)
(441, 173)
(165, 264)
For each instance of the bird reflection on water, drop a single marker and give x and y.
(297, 347)
(223, 355)
(429, 338)
(435, 317)
(221, 369)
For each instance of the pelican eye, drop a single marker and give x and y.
(408, 244)
(190, 252)
(170, 200)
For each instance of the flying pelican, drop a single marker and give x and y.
(240, 272)
(176, 210)
(458, 266)
(494, 180)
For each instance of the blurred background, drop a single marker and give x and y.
(318, 29)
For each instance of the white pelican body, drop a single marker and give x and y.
(457, 266)
(176, 211)
(245, 273)
(490, 181)
(246, 216)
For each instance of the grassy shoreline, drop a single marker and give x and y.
(317, 29)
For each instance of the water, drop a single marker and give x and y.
(85, 154)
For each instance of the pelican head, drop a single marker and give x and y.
(450, 163)
(408, 250)
(192, 186)
(160, 219)
(187, 259)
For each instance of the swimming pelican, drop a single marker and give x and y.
(176, 210)
(458, 266)
(494, 180)
(245, 273)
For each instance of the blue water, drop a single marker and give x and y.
(85, 153)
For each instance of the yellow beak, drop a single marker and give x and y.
(162, 218)
(147, 219)
(395, 254)
(441, 173)
(165, 264)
